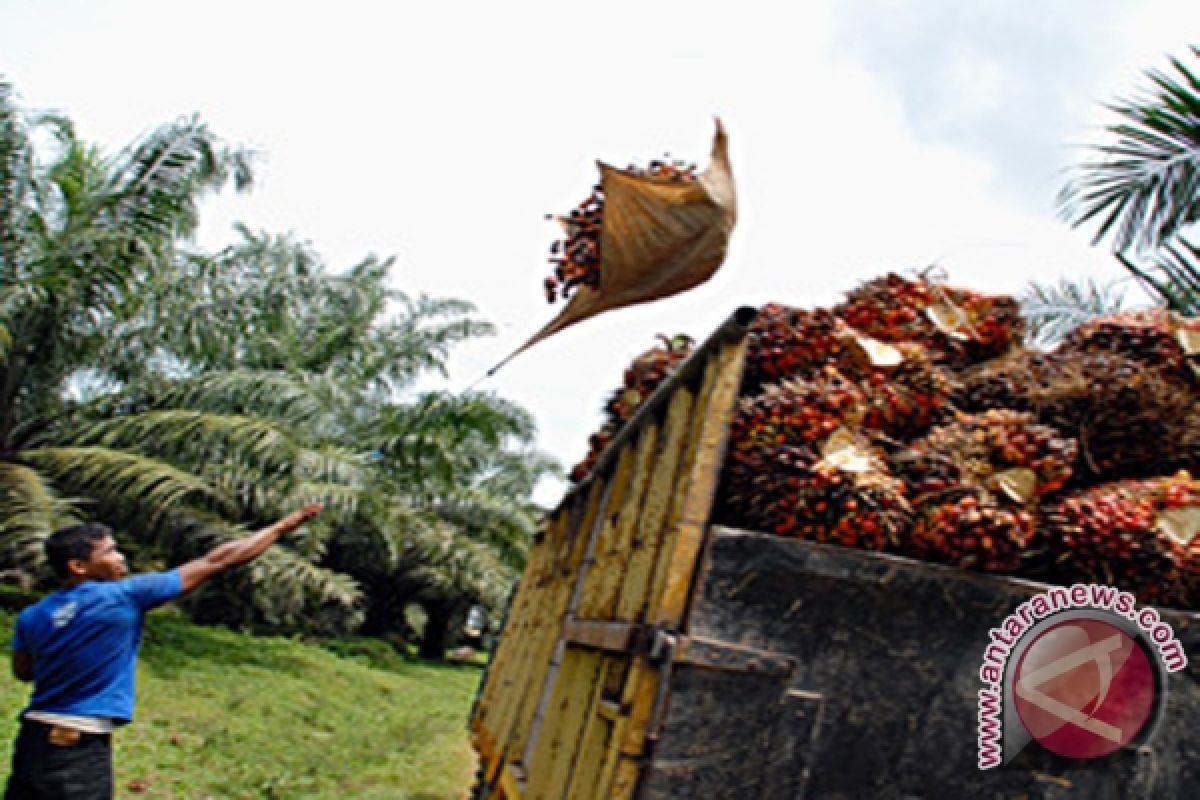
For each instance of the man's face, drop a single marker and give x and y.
(106, 563)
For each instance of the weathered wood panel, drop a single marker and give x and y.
(894, 647)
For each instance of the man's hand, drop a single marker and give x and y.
(243, 551)
(300, 516)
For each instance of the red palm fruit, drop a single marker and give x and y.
(1005, 452)
(971, 530)
(1135, 535)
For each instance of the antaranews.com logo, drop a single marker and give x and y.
(1080, 670)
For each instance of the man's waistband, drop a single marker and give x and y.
(61, 734)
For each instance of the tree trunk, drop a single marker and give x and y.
(437, 632)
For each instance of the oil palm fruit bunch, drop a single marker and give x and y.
(1007, 453)
(839, 492)
(1132, 420)
(800, 411)
(575, 258)
(971, 528)
(646, 372)
(784, 342)
(1154, 337)
(1135, 535)
(639, 381)
(903, 399)
(958, 326)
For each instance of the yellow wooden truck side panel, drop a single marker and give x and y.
(567, 720)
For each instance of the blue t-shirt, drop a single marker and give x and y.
(84, 643)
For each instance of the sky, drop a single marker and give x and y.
(864, 137)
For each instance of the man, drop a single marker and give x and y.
(79, 647)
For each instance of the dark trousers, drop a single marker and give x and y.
(45, 770)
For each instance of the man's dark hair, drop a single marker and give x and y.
(76, 542)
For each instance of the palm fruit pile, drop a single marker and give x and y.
(957, 445)
(640, 380)
(909, 419)
(575, 258)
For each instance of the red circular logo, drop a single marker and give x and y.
(1084, 688)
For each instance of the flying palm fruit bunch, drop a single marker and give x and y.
(1139, 536)
(1132, 420)
(959, 327)
(641, 378)
(796, 467)
(1155, 337)
(974, 485)
(575, 258)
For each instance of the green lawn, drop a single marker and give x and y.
(221, 715)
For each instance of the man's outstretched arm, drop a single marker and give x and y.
(242, 551)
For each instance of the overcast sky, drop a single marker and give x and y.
(865, 136)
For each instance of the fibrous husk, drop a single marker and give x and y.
(1158, 338)
(1131, 419)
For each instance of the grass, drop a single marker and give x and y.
(223, 715)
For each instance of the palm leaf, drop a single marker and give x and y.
(1054, 310)
(30, 510)
(194, 436)
(133, 481)
(1145, 187)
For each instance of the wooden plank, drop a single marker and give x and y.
(546, 646)
(557, 748)
(597, 736)
(681, 564)
(648, 534)
(530, 670)
(599, 572)
(605, 579)
(683, 480)
(576, 573)
(601, 634)
(519, 617)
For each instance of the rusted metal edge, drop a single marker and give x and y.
(734, 327)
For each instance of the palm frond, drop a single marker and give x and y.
(133, 481)
(276, 395)
(1054, 310)
(30, 510)
(193, 436)
(1145, 188)
(157, 180)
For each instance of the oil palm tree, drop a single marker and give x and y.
(80, 237)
